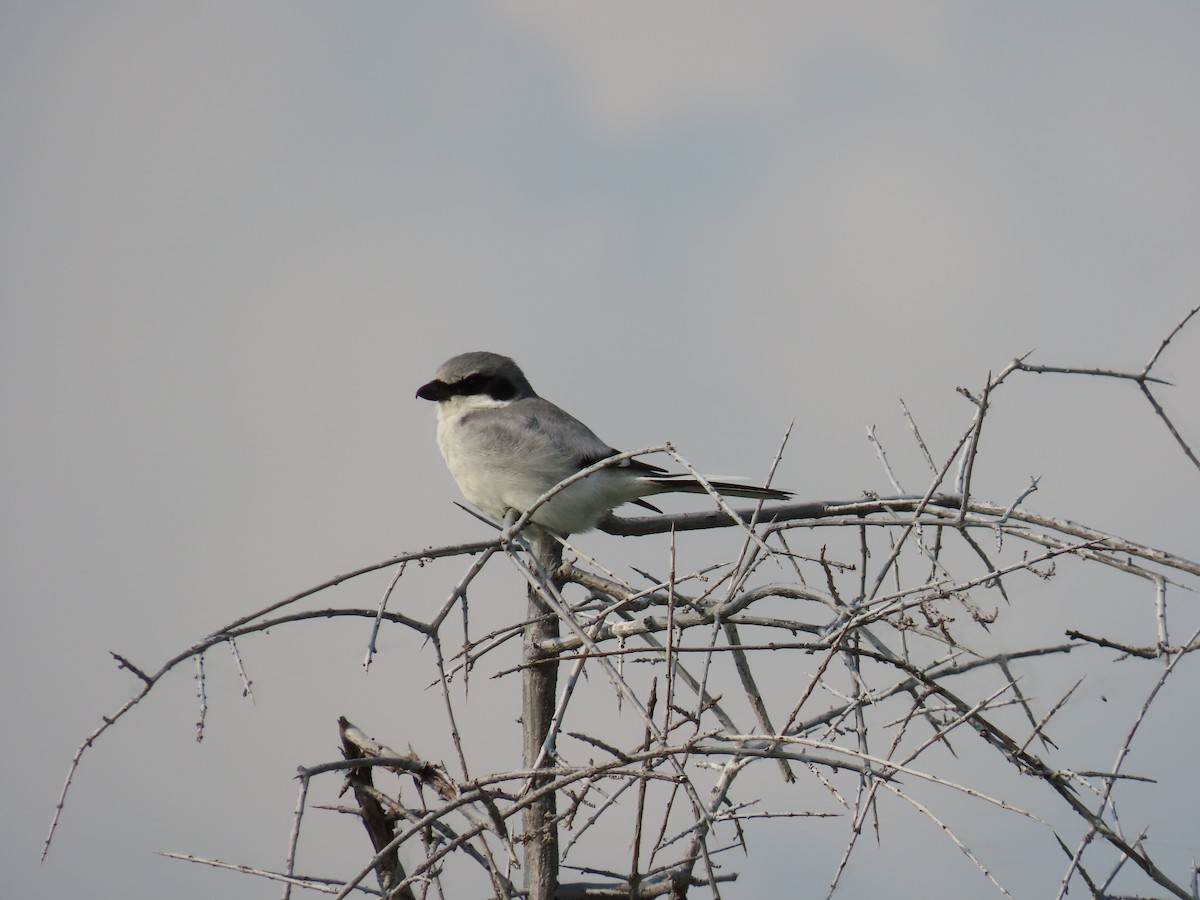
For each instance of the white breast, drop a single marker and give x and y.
(497, 479)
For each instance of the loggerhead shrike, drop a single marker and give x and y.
(506, 446)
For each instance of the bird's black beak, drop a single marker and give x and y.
(435, 390)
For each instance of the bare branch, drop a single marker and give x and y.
(866, 660)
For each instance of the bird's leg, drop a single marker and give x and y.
(506, 534)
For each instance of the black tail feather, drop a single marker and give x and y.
(688, 484)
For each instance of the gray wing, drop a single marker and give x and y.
(534, 435)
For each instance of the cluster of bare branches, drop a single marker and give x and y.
(841, 656)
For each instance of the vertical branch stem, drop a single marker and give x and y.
(539, 688)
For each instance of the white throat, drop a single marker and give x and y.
(453, 407)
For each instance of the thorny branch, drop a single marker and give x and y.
(864, 666)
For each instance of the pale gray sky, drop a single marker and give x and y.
(234, 239)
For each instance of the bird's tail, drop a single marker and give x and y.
(689, 485)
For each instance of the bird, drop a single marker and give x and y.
(506, 447)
